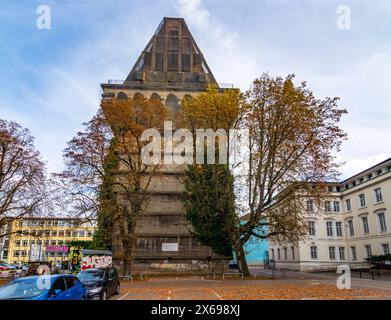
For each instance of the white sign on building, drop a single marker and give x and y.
(169, 247)
(35, 252)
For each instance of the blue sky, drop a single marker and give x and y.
(50, 79)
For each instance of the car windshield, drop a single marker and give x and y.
(23, 289)
(90, 276)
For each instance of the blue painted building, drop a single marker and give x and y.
(256, 251)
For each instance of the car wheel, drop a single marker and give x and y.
(117, 290)
(104, 295)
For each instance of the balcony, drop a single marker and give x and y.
(163, 86)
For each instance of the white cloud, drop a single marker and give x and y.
(230, 57)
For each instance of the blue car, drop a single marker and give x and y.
(47, 287)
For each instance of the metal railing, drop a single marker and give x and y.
(167, 85)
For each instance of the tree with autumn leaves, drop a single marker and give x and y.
(22, 176)
(105, 176)
(290, 144)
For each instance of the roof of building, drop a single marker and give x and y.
(366, 171)
(172, 56)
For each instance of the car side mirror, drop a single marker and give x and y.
(56, 292)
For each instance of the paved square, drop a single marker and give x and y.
(199, 288)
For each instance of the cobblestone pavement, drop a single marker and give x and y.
(198, 288)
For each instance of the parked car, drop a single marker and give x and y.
(11, 267)
(4, 267)
(233, 265)
(55, 287)
(100, 283)
(32, 268)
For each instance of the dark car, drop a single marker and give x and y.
(49, 287)
(100, 283)
(233, 265)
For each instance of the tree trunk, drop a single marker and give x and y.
(127, 258)
(240, 255)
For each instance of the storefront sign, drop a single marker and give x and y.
(63, 249)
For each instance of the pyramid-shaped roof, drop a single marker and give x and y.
(172, 56)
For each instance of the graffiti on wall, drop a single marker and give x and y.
(89, 262)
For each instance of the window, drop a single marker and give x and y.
(348, 205)
(338, 227)
(53, 233)
(362, 200)
(186, 63)
(70, 282)
(89, 233)
(365, 225)
(172, 59)
(336, 206)
(311, 228)
(351, 228)
(327, 206)
(332, 253)
(273, 254)
(17, 243)
(53, 242)
(293, 253)
(378, 195)
(61, 233)
(25, 243)
(368, 251)
(59, 285)
(279, 254)
(112, 274)
(382, 222)
(159, 61)
(285, 253)
(314, 252)
(310, 205)
(341, 253)
(82, 233)
(354, 253)
(16, 253)
(386, 248)
(329, 228)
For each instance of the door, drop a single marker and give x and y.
(74, 288)
(112, 281)
(62, 294)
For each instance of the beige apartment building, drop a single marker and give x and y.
(350, 226)
(49, 237)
